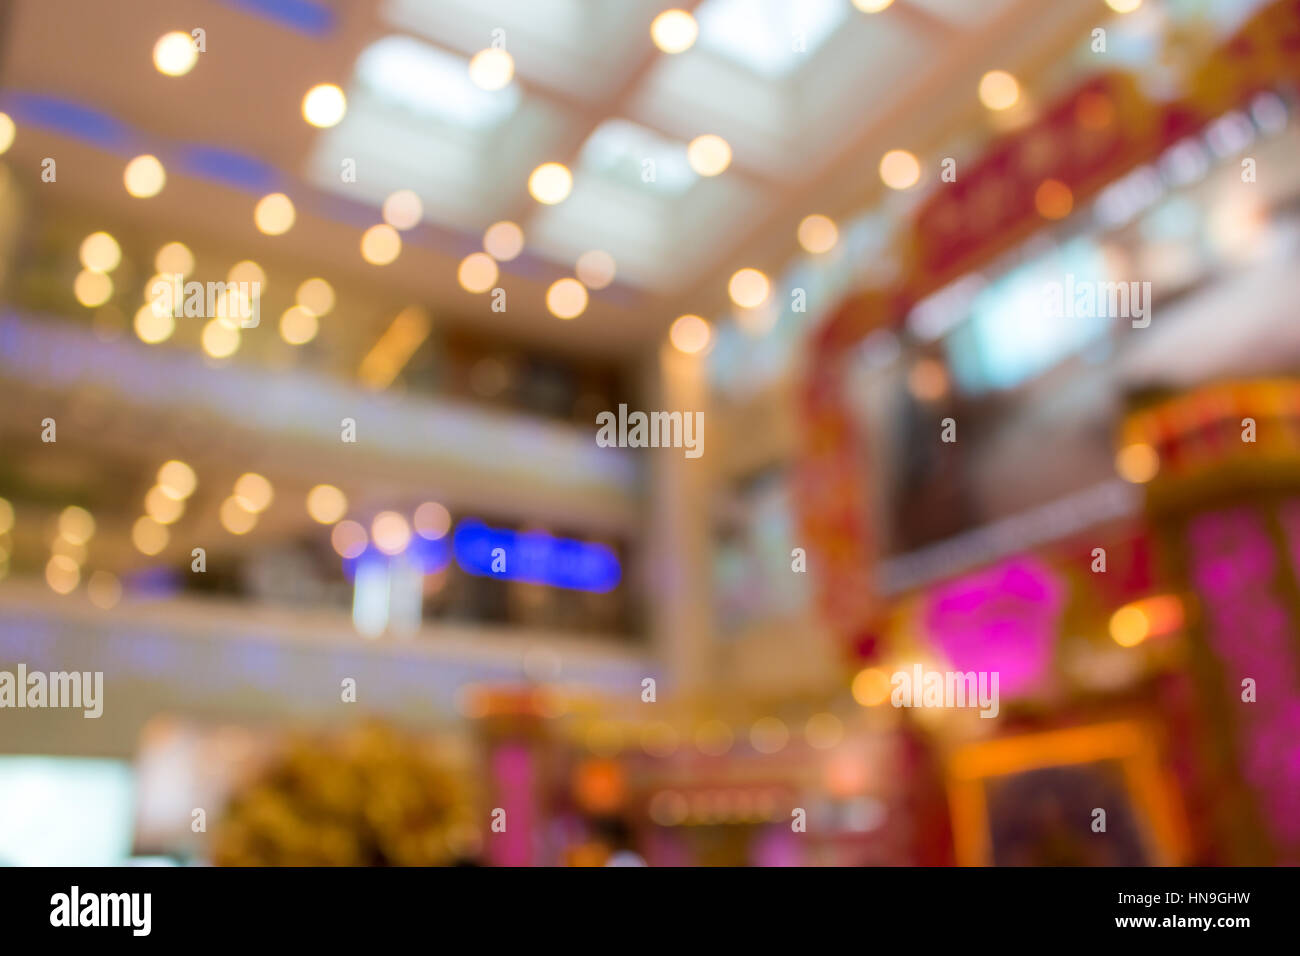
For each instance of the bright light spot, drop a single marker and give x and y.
(7, 131)
(219, 339)
(326, 504)
(175, 53)
(872, 6)
(477, 272)
(595, 269)
(566, 298)
(999, 90)
(817, 234)
(76, 524)
(62, 574)
(324, 105)
(104, 590)
(100, 252)
(899, 169)
(92, 288)
(153, 325)
(274, 214)
(928, 380)
(1137, 463)
(674, 31)
(348, 539)
(550, 183)
(748, 288)
(391, 532)
(403, 209)
(1129, 626)
(235, 518)
(174, 258)
(250, 272)
(253, 492)
(316, 296)
(162, 507)
(491, 69)
(144, 177)
(1053, 199)
(871, 687)
(432, 520)
(503, 241)
(148, 536)
(6, 516)
(298, 326)
(177, 479)
(690, 334)
(1123, 6)
(709, 155)
(380, 244)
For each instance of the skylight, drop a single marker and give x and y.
(636, 156)
(432, 83)
(771, 37)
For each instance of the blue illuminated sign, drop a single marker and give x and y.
(535, 557)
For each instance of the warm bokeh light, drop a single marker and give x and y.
(7, 132)
(595, 269)
(390, 532)
(477, 272)
(220, 339)
(274, 214)
(153, 325)
(566, 298)
(348, 539)
(871, 687)
(674, 31)
(999, 90)
(550, 183)
(823, 731)
(748, 288)
(503, 241)
(162, 507)
(690, 334)
(709, 155)
(62, 574)
(324, 105)
(326, 504)
(100, 252)
(92, 288)
(104, 590)
(768, 735)
(175, 53)
(144, 177)
(76, 524)
(316, 296)
(1129, 626)
(148, 536)
(174, 258)
(872, 6)
(248, 271)
(817, 234)
(177, 479)
(235, 518)
(432, 520)
(381, 244)
(69, 549)
(1053, 199)
(298, 326)
(928, 380)
(491, 69)
(403, 209)
(1137, 463)
(254, 492)
(899, 169)
(1123, 6)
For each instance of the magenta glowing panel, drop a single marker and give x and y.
(1002, 619)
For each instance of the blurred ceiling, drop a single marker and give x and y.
(808, 94)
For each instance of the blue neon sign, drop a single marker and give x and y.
(536, 557)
